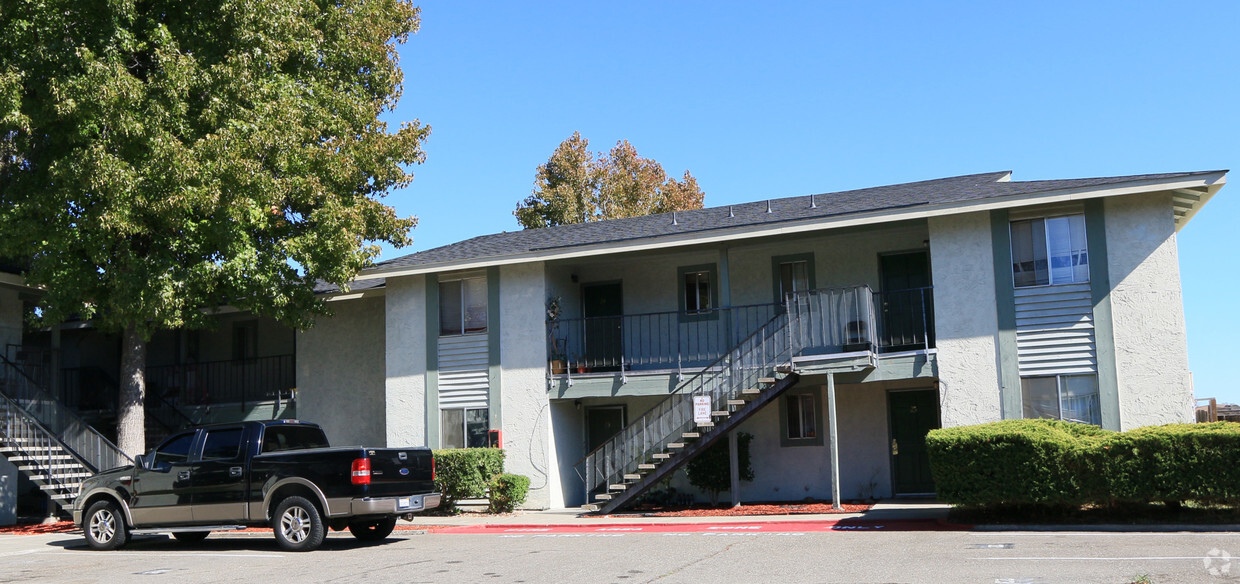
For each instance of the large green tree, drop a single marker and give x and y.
(159, 158)
(576, 186)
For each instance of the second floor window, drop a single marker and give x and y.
(697, 291)
(1049, 251)
(793, 277)
(463, 306)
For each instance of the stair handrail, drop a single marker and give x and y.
(722, 380)
(32, 428)
(61, 423)
(774, 343)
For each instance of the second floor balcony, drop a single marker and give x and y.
(837, 320)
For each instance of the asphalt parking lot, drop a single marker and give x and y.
(732, 553)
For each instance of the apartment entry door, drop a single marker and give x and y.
(912, 415)
(602, 307)
(602, 422)
(906, 314)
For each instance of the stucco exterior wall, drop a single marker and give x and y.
(340, 373)
(405, 387)
(524, 408)
(1147, 308)
(10, 317)
(966, 324)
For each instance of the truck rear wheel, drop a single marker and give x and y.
(373, 530)
(298, 525)
(104, 526)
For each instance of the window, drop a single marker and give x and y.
(465, 428)
(1049, 251)
(793, 277)
(280, 438)
(801, 417)
(697, 289)
(173, 450)
(245, 340)
(1073, 398)
(224, 444)
(463, 306)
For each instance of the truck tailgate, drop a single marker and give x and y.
(400, 471)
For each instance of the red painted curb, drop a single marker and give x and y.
(817, 526)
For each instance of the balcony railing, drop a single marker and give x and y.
(859, 319)
(214, 382)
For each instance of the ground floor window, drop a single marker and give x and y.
(1073, 398)
(800, 418)
(464, 428)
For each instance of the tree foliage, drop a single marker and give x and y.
(711, 470)
(576, 186)
(162, 156)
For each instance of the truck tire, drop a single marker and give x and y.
(298, 525)
(373, 530)
(104, 526)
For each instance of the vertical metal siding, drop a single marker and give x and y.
(463, 377)
(1055, 330)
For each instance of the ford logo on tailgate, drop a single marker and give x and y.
(404, 472)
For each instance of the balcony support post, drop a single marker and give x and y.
(835, 443)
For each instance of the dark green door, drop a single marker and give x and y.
(912, 415)
(906, 315)
(601, 424)
(602, 307)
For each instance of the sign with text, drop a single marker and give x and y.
(701, 409)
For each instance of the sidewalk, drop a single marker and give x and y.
(889, 510)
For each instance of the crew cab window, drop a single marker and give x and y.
(279, 438)
(223, 444)
(173, 450)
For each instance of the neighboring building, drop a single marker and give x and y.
(936, 303)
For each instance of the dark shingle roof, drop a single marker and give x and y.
(973, 187)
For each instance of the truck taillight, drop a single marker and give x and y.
(361, 471)
(432, 468)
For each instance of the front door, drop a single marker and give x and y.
(602, 307)
(913, 414)
(601, 424)
(906, 314)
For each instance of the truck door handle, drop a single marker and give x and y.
(183, 475)
(234, 471)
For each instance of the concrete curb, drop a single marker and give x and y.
(1114, 528)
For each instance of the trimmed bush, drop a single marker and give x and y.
(463, 473)
(507, 491)
(1047, 462)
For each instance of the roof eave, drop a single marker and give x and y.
(1211, 182)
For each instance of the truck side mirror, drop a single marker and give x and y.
(142, 462)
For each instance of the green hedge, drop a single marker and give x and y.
(1047, 462)
(463, 473)
(507, 491)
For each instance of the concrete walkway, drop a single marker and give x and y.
(896, 509)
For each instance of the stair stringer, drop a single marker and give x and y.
(683, 456)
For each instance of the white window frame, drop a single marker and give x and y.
(464, 426)
(460, 328)
(1060, 384)
(1076, 254)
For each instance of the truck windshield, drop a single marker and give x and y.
(278, 438)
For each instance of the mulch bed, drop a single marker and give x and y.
(38, 528)
(755, 509)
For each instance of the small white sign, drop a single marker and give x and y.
(701, 409)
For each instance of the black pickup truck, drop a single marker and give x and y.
(277, 473)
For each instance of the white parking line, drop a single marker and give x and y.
(1102, 559)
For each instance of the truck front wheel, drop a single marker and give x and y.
(373, 530)
(105, 526)
(298, 525)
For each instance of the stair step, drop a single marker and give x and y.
(617, 487)
(706, 424)
(647, 466)
(62, 496)
(688, 435)
(737, 402)
(785, 368)
(766, 380)
(54, 467)
(750, 392)
(675, 444)
(662, 456)
(633, 477)
(721, 413)
(589, 507)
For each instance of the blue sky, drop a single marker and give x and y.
(798, 98)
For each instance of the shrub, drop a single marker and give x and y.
(507, 491)
(711, 470)
(463, 473)
(1045, 462)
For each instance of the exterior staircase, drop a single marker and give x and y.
(47, 441)
(740, 383)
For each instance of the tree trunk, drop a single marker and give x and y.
(131, 411)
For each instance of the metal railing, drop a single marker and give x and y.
(754, 357)
(215, 382)
(656, 340)
(58, 421)
(832, 320)
(905, 319)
